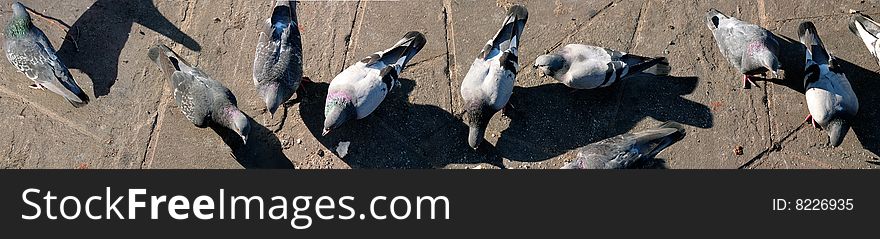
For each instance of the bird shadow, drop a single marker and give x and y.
(792, 55)
(95, 41)
(398, 134)
(551, 120)
(651, 163)
(865, 82)
(262, 151)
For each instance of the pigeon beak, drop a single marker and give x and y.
(326, 131)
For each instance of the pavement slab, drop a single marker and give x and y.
(132, 121)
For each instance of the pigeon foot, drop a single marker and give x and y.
(811, 120)
(747, 82)
(36, 87)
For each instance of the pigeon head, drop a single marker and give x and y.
(550, 64)
(18, 10)
(338, 110)
(20, 22)
(237, 121)
(269, 93)
(713, 18)
(477, 116)
(836, 130)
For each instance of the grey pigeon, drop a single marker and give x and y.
(749, 48)
(488, 84)
(627, 150)
(830, 97)
(201, 99)
(868, 30)
(278, 61)
(32, 54)
(358, 90)
(589, 67)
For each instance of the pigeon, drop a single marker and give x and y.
(868, 30)
(830, 97)
(590, 67)
(488, 84)
(358, 90)
(749, 48)
(627, 150)
(28, 49)
(278, 61)
(201, 99)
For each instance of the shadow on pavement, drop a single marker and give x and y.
(551, 120)
(95, 41)
(792, 61)
(865, 83)
(398, 134)
(263, 150)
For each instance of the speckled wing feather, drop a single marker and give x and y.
(277, 67)
(192, 96)
(623, 151)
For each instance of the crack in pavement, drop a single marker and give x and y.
(52, 115)
(774, 147)
(349, 42)
(427, 60)
(450, 55)
(637, 30)
(156, 127)
(818, 17)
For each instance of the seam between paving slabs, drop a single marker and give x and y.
(349, 41)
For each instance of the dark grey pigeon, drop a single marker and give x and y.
(200, 98)
(589, 67)
(28, 49)
(487, 87)
(278, 61)
(750, 48)
(358, 90)
(830, 97)
(627, 150)
(868, 30)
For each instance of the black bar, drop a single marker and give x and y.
(483, 203)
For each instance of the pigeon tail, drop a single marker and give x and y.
(281, 18)
(414, 42)
(864, 27)
(405, 49)
(655, 66)
(651, 142)
(508, 37)
(168, 60)
(81, 100)
(815, 49)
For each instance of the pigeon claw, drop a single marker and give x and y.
(36, 86)
(811, 120)
(747, 82)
